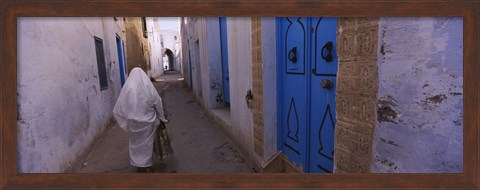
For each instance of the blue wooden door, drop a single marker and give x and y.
(120, 60)
(293, 65)
(124, 60)
(190, 70)
(190, 83)
(198, 69)
(224, 50)
(307, 109)
(322, 85)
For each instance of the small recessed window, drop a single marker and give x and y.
(144, 27)
(102, 70)
(161, 40)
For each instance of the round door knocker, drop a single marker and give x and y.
(328, 46)
(327, 83)
(292, 55)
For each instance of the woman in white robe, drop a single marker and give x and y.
(138, 111)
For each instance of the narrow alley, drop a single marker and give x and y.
(199, 147)
(245, 94)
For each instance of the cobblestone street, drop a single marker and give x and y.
(199, 147)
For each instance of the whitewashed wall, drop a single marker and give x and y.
(212, 58)
(111, 28)
(420, 122)
(178, 53)
(187, 38)
(269, 86)
(156, 56)
(206, 30)
(170, 43)
(198, 39)
(239, 34)
(61, 108)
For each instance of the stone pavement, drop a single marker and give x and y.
(199, 147)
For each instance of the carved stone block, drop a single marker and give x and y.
(346, 45)
(346, 22)
(357, 87)
(366, 22)
(356, 139)
(366, 42)
(367, 107)
(368, 78)
(341, 83)
(343, 107)
(349, 163)
(257, 87)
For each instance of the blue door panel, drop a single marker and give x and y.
(324, 43)
(308, 63)
(323, 118)
(224, 53)
(190, 83)
(295, 45)
(124, 60)
(120, 60)
(294, 123)
(294, 94)
(322, 125)
(190, 80)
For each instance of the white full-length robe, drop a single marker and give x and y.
(137, 111)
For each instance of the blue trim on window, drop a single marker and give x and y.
(279, 86)
(118, 41)
(102, 69)
(125, 68)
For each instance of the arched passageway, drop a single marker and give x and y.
(170, 65)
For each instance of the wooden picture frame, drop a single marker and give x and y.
(11, 10)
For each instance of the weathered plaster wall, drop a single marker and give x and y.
(264, 85)
(155, 47)
(213, 59)
(170, 43)
(136, 45)
(197, 41)
(111, 28)
(61, 108)
(186, 32)
(420, 118)
(356, 95)
(206, 31)
(178, 53)
(240, 66)
(269, 86)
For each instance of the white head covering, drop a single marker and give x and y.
(137, 109)
(138, 100)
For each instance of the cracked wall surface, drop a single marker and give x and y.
(419, 109)
(60, 106)
(138, 52)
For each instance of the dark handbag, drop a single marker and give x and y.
(161, 144)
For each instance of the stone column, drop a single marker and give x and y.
(257, 80)
(356, 96)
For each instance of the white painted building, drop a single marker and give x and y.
(70, 73)
(154, 43)
(170, 40)
(203, 73)
(428, 58)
